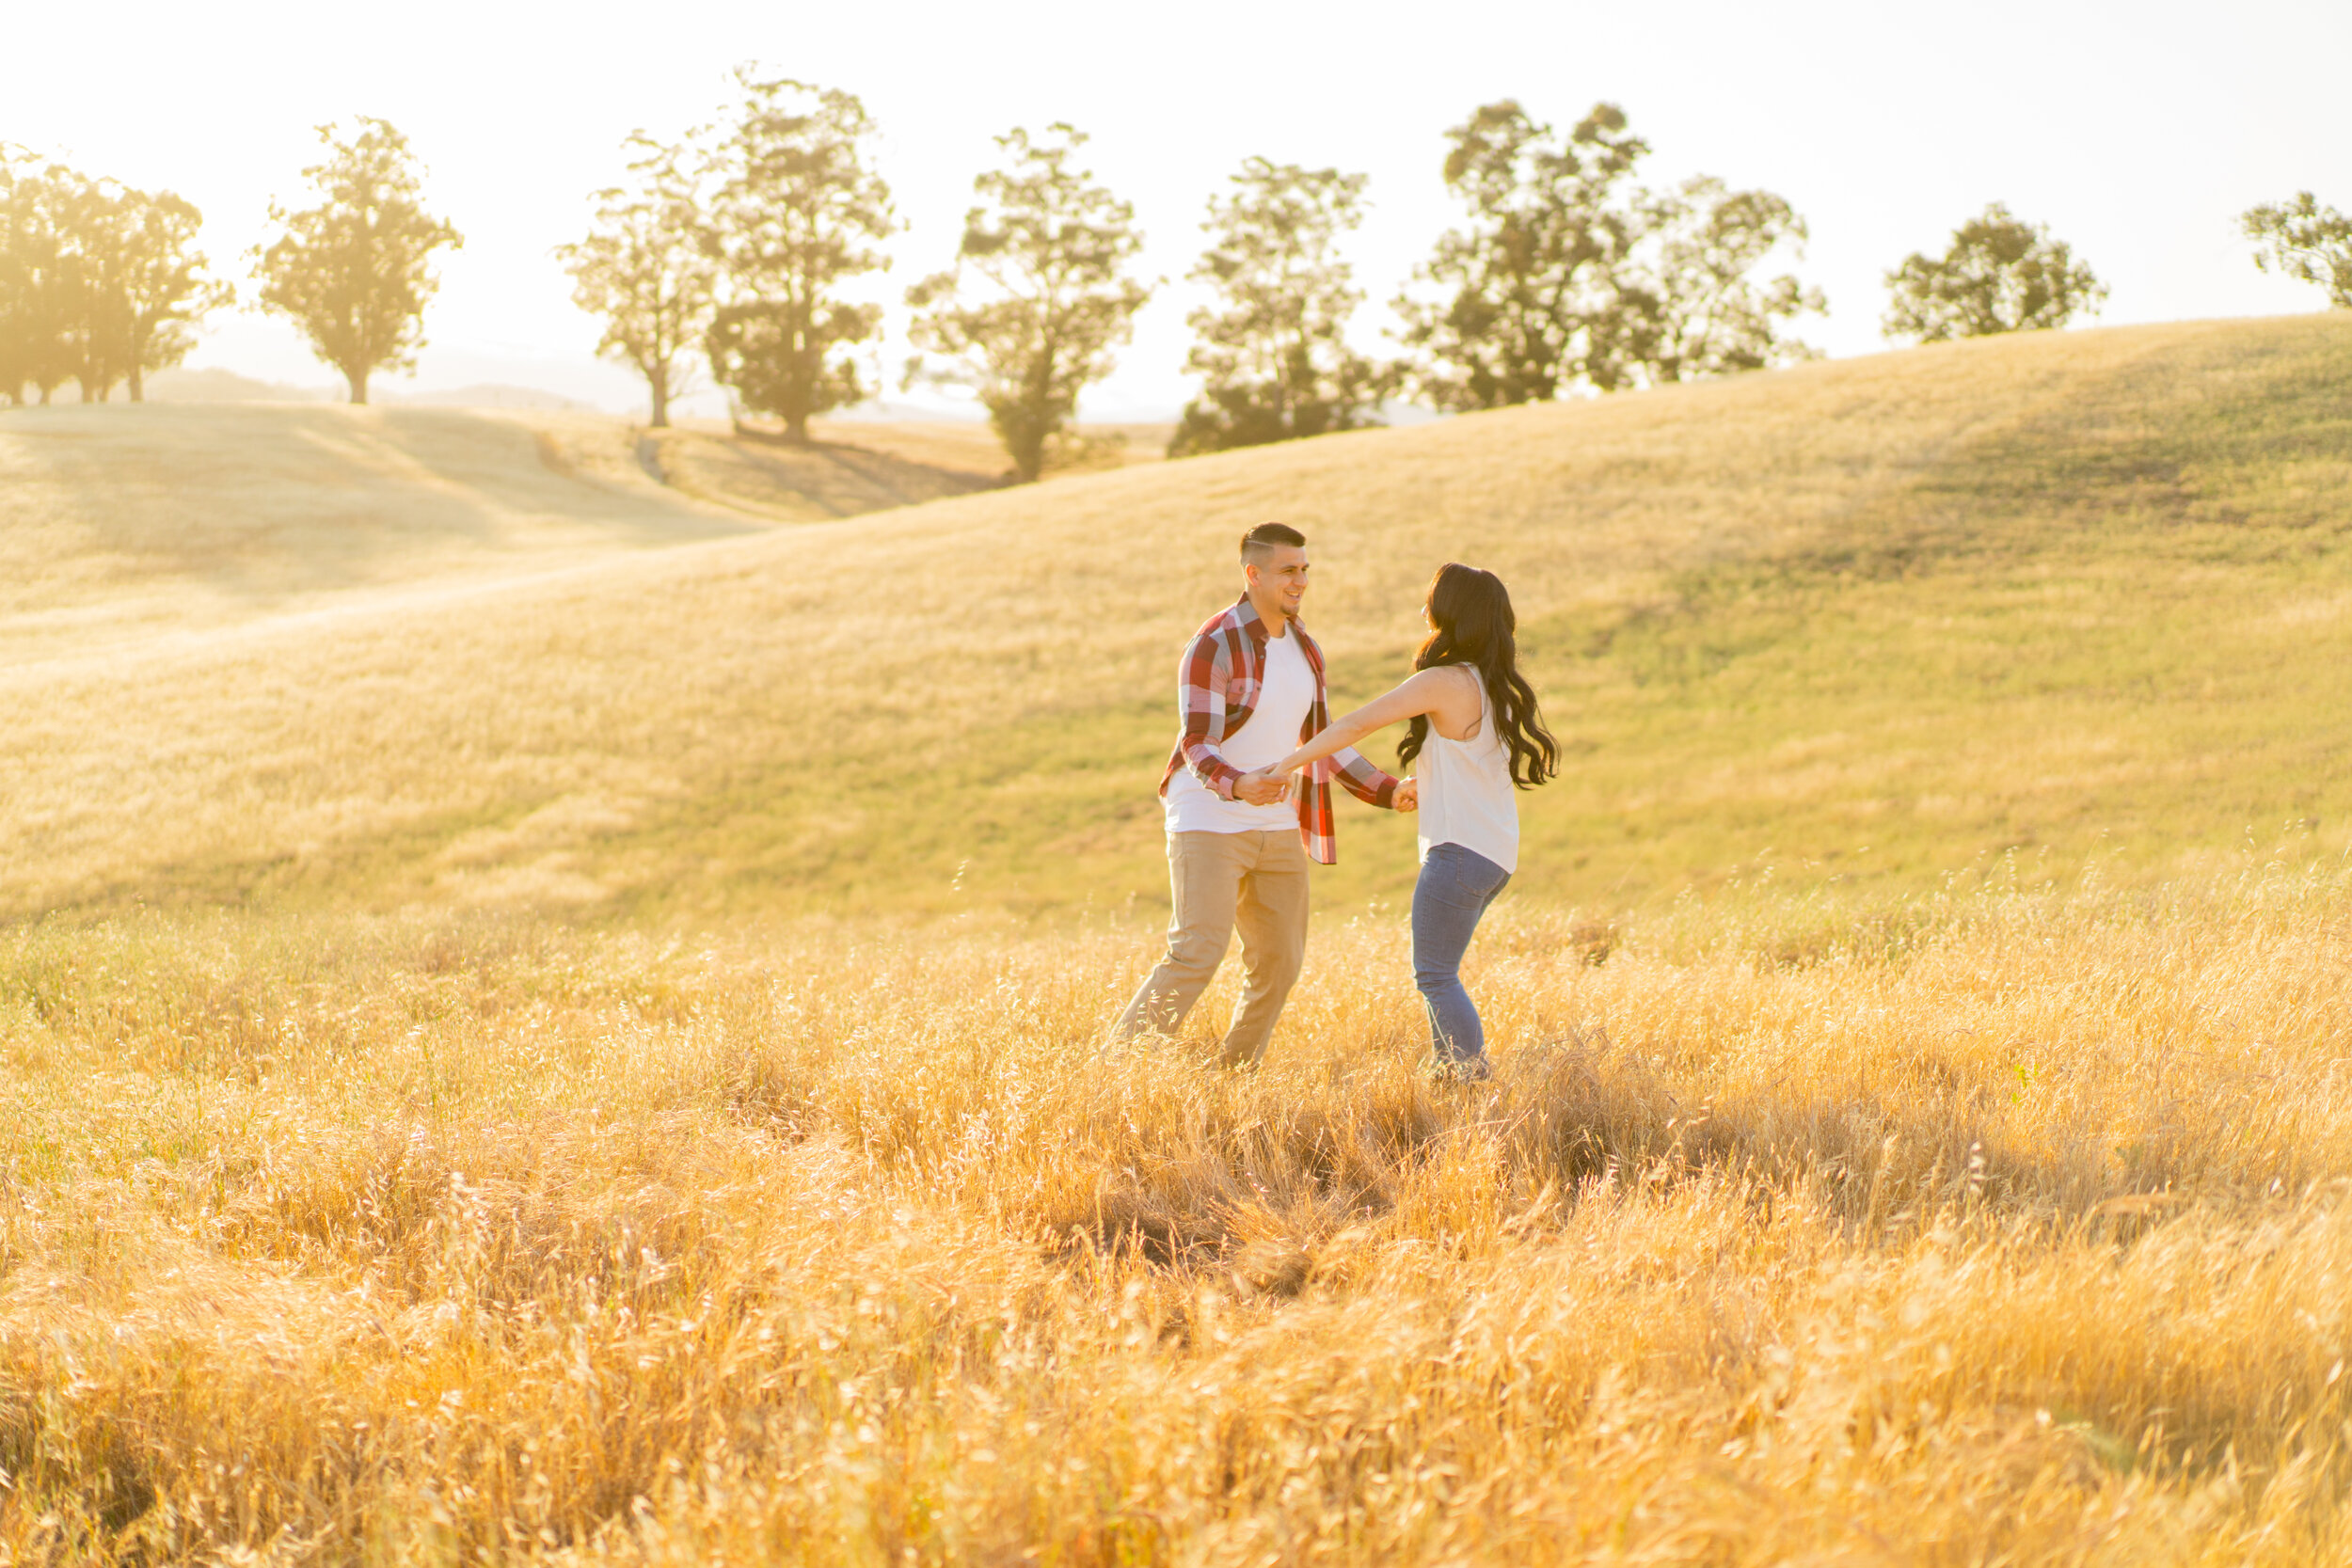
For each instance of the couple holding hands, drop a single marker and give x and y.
(1248, 794)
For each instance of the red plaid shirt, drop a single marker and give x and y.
(1216, 689)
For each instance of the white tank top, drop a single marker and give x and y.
(1466, 792)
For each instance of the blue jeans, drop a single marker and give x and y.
(1455, 887)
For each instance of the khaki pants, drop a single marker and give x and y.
(1219, 881)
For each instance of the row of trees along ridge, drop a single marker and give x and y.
(1568, 275)
(738, 244)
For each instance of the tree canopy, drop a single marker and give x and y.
(2305, 241)
(1273, 352)
(100, 283)
(645, 268)
(1687, 306)
(1527, 289)
(794, 214)
(1039, 294)
(353, 272)
(1570, 275)
(1999, 274)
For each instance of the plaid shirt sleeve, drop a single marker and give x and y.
(1361, 777)
(1201, 679)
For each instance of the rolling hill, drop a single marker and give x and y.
(2036, 602)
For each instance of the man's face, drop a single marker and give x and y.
(1281, 578)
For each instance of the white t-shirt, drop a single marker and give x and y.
(1284, 695)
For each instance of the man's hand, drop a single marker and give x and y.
(1259, 789)
(1408, 796)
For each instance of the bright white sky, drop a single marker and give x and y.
(2136, 130)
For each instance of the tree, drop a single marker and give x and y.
(99, 283)
(1687, 306)
(15, 283)
(86, 217)
(1531, 283)
(791, 221)
(2307, 242)
(1274, 354)
(2000, 274)
(354, 272)
(645, 268)
(37, 290)
(160, 287)
(134, 283)
(1038, 296)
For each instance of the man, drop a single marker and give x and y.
(1249, 687)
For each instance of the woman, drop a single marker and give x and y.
(1472, 724)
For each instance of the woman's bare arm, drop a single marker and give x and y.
(1434, 692)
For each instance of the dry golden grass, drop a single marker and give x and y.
(971, 447)
(845, 468)
(2016, 1234)
(122, 525)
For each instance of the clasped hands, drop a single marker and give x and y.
(1266, 788)
(1263, 788)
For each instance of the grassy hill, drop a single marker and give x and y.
(2049, 599)
(119, 523)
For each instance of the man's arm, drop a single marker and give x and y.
(1201, 677)
(1364, 779)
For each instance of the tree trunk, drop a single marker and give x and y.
(138, 385)
(796, 429)
(359, 380)
(661, 384)
(1028, 453)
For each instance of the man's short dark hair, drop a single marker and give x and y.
(1261, 541)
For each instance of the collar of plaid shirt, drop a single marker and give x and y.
(1217, 690)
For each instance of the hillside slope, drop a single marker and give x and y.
(120, 523)
(2063, 595)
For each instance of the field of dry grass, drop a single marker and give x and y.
(2017, 1235)
(547, 1020)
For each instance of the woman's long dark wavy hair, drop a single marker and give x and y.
(1472, 613)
